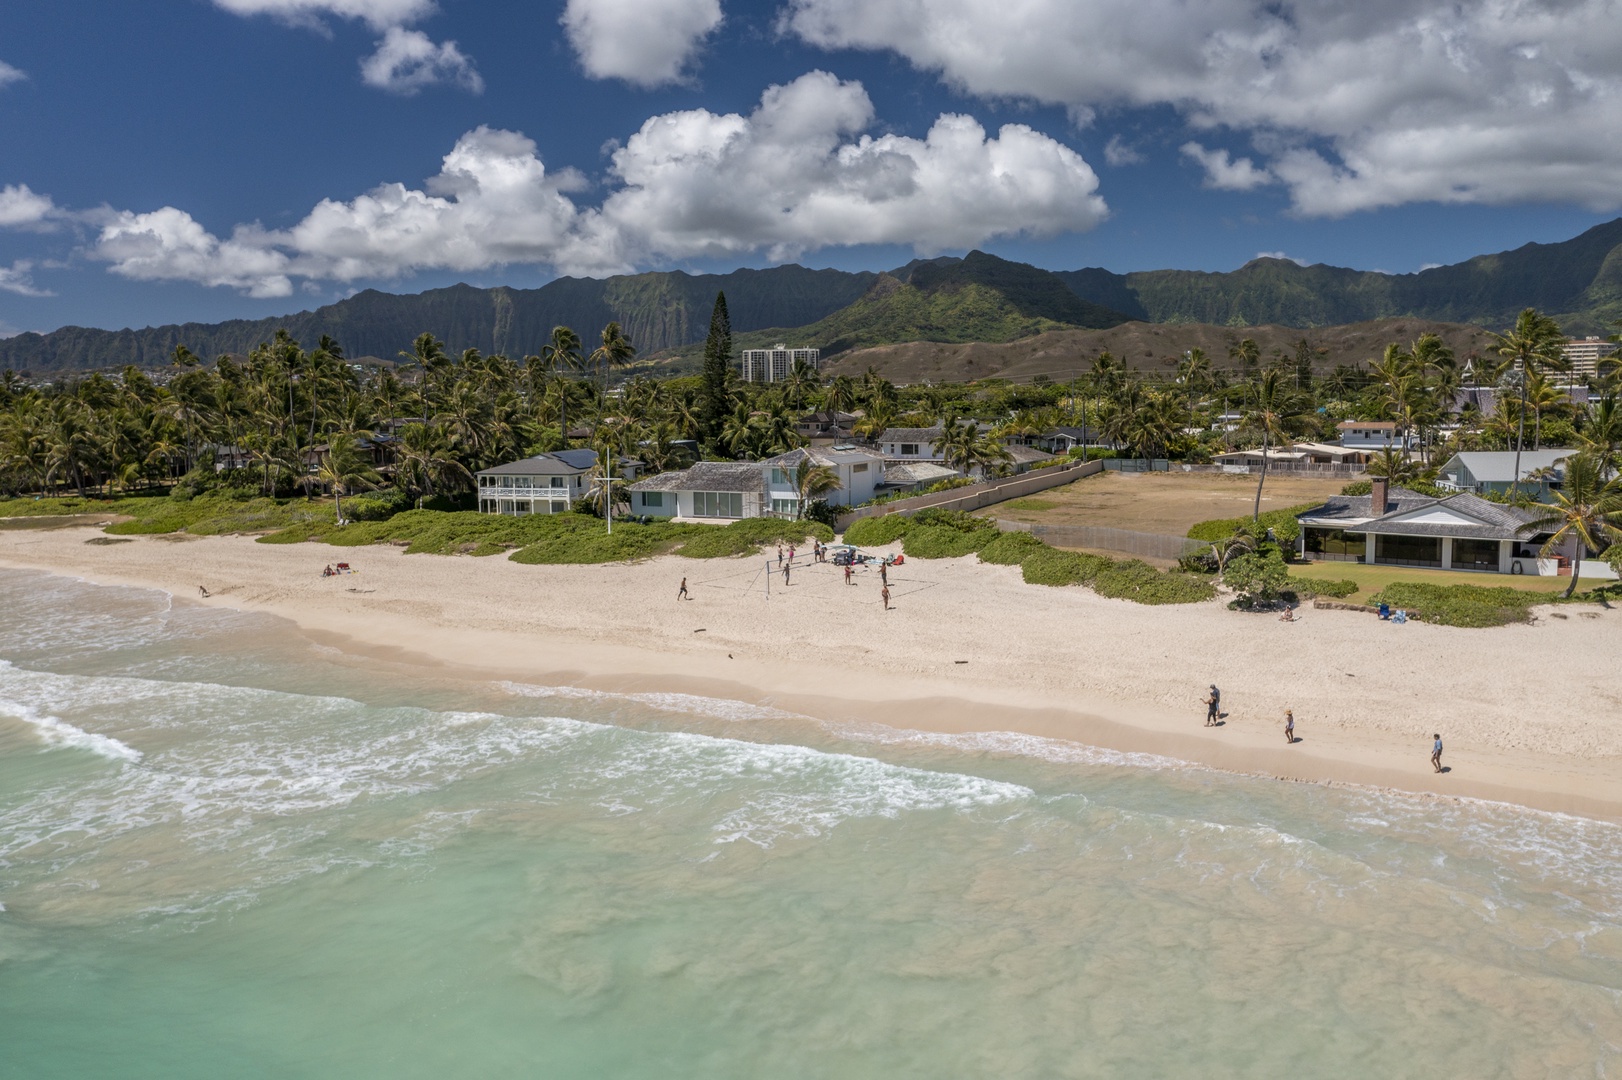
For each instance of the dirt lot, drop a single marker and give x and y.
(1166, 503)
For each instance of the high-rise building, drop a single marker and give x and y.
(775, 364)
(1584, 354)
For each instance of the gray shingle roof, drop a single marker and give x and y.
(820, 456)
(911, 434)
(746, 476)
(1498, 466)
(917, 472)
(1027, 455)
(1353, 512)
(544, 464)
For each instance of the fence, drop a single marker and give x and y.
(1293, 468)
(1141, 544)
(977, 496)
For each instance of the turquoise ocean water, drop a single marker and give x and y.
(228, 852)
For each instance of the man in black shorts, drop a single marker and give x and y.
(1213, 706)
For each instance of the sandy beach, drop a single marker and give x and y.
(1531, 714)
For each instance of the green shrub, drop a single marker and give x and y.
(1306, 586)
(1461, 605)
(1050, 566)
(876, 531)
(1282, 522)
(1010, 548)
(1257, 578)
(1142, 584)
(944, 541)
(748, 536)
(376, 506)
(961, 520)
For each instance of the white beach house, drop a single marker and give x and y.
(727, 490)
(1482, 472)
(544, 484)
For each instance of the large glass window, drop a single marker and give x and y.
(718, 504)
(785, 506)
(780, 477)
(1475, 555)
(1408, 550)
(653, 500)
(909, 449)
(1336, 545)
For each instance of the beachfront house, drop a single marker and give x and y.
(903, 446)
(727, 490)
(1483, 472)
(1371, 435)
(907, 476)
(1392, 526)
(543, 484)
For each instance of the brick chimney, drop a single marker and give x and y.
(1377, 495)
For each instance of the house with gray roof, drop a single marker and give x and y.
(727, 490)
(1493, 471)
(1393, 526)
(543, 484)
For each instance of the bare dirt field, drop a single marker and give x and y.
(1165, 503)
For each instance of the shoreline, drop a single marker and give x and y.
(1059, 664)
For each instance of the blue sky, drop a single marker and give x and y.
(207, 159)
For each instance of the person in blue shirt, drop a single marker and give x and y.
(1436, 753)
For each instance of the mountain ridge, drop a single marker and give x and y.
(949, 299)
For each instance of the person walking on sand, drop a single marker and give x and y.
(1289, 725)
(779, 554)
(1436, 752)
(786, 568)
(791, 553)
(847, 574)
(884, 574)
(884, 592)
(681, 593)
(1213, 706)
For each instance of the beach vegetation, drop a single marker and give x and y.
(1338, 588)
(1460, 605)
(746, 537)
(1010, 548)
(876, 531)
(1141, 583)
(1259, 579)
(1053, 566)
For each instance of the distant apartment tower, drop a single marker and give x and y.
(1584, 354)
(775, 364)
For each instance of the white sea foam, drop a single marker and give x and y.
(695, 704)
(55, 732)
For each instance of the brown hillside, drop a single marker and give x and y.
(1142, 346)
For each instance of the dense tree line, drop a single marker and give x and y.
(291, 418)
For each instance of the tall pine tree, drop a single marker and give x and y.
(715, 397)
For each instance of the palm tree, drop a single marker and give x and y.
(427, 464)
(1396, 466)
(1533, 344)
(1275, 411)
(1587, 514)
(1602, 436)
(344, 471)
(616, 349)
(600, 491)
(561, 356)
(812, 482)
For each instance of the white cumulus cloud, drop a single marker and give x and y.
(407, 60)
(169, 245)
(17, 279)
(9, 74)
(646, 42)
(796, 174)
(1280, 255)
(1118, 152)
(1225, 173)
(378, 14)
(21, 208)
(1352, 106)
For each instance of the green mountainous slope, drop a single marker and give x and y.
(657, 310)
(1579, 281)
(977, 298)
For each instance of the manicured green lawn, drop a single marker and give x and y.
(1371, 579)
